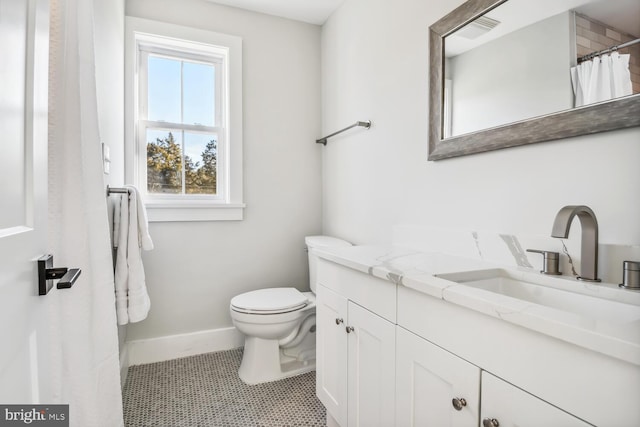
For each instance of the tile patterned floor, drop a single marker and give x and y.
(205, 391)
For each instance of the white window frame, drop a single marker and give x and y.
(144, 37)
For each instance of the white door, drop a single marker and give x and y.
(428, 380)
(510, 406)
(331, 353)
(24, 51)
(371, 369)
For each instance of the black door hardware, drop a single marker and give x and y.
(47, 274)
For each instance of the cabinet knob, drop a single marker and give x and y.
(349, 329)
(458, 403)
(490, 422)
(338, 321)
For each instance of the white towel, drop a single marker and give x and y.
(132, 228)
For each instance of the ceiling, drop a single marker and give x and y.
(317, 11)
(622, 14)
(311, 11)
(515, 14)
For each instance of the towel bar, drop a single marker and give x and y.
(116, 190)
(365, 124)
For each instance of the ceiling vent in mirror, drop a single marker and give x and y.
(478, 27)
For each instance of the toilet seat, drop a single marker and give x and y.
(269, 301)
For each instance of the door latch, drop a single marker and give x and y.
(47, 274)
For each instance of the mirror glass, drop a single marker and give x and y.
(530, 58)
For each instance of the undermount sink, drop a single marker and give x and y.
(595, 301)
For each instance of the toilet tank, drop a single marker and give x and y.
(317, 242)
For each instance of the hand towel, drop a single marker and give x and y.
(143, 223)
(132, 299)
(116, 222)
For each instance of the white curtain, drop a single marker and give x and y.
(85, 363)
(601, 79)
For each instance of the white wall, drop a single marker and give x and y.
(109, 52)
(196, 268)
(375, 66)
(520, 75)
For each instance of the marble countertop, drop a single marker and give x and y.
(420, 271)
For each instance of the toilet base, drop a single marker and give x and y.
(264, 361)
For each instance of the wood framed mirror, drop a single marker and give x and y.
(558, 123)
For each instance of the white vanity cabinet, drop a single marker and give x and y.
(437, 388)
(355, 365)
(507, 406)
(401, 355)
(331, 352)
(370, 369)
(528, 378)
(433, 386)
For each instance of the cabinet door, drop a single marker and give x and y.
(511, 407)
(371, 369)
(331, 353)
(428, 378)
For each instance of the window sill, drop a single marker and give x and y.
(192, 212)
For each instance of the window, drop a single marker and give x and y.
(179, 122)
(185, 132)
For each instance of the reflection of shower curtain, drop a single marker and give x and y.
(600, 79)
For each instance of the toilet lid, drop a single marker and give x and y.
(269, 301)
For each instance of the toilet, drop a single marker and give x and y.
(279, 325)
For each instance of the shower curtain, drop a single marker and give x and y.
(601, 79)
(85, 361)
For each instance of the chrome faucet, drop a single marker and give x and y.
(589, 244)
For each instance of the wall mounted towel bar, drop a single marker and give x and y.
(116, 190)
(365, 124)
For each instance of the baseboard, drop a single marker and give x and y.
(331, 422)
(170, 347)
(124, 364)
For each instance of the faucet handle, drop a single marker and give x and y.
(550, 262)
(630, 275)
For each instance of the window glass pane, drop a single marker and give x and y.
(164, 89)
(201, 163)
(164, 161)
(199, 93)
